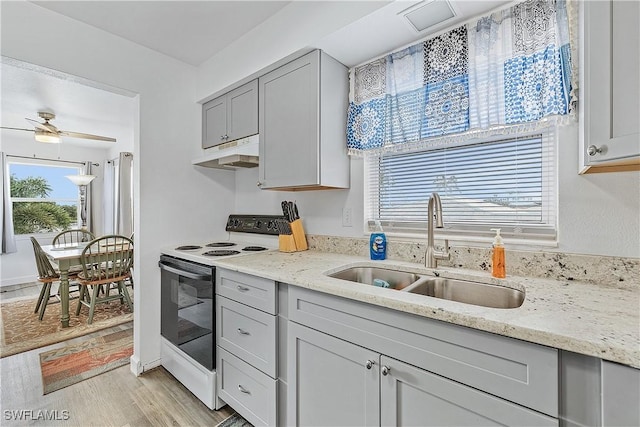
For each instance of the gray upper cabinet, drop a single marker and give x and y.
(302, 121)
(610, 90)
(231, 116)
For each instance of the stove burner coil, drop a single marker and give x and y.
(188, 248)
(220, 244)
(254, 248)
(220, 253)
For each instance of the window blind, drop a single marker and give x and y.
(507, 183)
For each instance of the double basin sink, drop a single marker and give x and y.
(464, 291)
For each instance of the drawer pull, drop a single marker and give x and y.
(243, 390)
(385, 370)
(243, 288)
(369, 364)
(243, 332)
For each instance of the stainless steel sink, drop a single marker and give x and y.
(395, 279)
(464, 291)
(468, 292)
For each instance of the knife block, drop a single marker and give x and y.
(286, 243)
(298, 235)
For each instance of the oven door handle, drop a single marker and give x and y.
(180, 272)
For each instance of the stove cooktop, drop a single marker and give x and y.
(246, 234)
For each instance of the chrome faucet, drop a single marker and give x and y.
(432, 256)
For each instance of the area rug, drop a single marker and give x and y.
(20, 329)
(71, 364)
(235, 420)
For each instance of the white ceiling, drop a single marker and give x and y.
(192, 32)
(79, 105)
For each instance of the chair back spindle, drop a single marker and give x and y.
(72, 237)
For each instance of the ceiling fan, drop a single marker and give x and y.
(46, 132)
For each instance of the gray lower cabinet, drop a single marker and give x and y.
(620, 395)
(231, 116)
(303, 105)
(337, 383)
(342, 353)
(329, 382)
(247, 330)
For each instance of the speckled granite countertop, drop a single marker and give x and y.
(596, 320)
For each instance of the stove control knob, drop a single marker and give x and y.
(236, 223)
(269, 225)
(258, 224)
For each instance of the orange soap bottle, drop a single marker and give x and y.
(498, 268)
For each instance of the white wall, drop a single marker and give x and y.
(174, 201)
(19, 267)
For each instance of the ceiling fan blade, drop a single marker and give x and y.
(44, 126)
(86, 136)
(5, 127)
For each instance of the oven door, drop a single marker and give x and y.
(187, 308)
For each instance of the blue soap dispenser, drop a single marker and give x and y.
(378, 243)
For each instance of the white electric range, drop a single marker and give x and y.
(187, 295)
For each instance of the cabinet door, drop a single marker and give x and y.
(242, 111)
(412, 397)
(329, 383)
(214, 122)
(620, 395)
(611, 93)
(289, 124)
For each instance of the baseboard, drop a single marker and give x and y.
(138, 368)
(15, 284)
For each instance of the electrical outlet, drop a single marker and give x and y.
(346, 217)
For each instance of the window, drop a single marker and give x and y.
(44, 200)
(508, 184)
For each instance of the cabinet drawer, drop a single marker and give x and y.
(515, 370)
(248, 333)
(247, 390)
(250, 290)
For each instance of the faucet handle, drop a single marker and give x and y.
(445, 254)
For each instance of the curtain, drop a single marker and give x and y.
(108, 197)
(86, 210)
(507, 72)
(124, 195)
(8, 238)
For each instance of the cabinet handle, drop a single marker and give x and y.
(242, 389)
(259, 184)
(243, 332)
(369, 364)
(385, 370)
(221, 137)
(592, 150)
(226, 137)
(242, 288)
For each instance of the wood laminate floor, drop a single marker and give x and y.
(115, 398)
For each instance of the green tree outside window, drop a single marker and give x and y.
(34, 216)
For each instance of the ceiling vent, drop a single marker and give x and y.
(428, 14)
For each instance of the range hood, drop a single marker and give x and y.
(242, 153)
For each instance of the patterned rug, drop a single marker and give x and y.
(71, 364)
(235, 420)
(20, 329)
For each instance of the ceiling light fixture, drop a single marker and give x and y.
(429, 13)
(48, 137)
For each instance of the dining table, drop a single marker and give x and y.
(66, 256)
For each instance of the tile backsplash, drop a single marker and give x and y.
(603, 270)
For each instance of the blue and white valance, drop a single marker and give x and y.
(509, 70)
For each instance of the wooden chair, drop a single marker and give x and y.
(105, 260)
(47, 274)
(71, 237)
